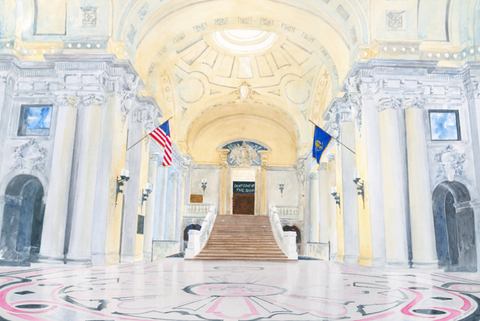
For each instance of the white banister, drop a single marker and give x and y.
(198, 239)
(285, 240)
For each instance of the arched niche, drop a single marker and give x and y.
(454, 223)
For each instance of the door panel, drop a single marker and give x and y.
(244, 203)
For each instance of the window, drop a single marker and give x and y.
(444, 125)
(35, 121)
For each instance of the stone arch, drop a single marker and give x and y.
(22, 222)
(197, 227)
(454, 224)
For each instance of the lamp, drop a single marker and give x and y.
(336, 196)
(145, 192)
(204, 185)
(124, 177)
(281, 186)
(360, 186)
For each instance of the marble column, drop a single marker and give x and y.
(394, 197)
(332, 208)
(86, 157)
(170, 222)
(421, 213)
(349, 194)
(160, 191)
(314, 221)
(53, 234)
(223, 182)
(132, 192)
(102, 202)
(263, 182)
(373, 179)
(323, 198)
(150, 209)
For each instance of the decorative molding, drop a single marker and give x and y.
(301, 168)
(244, 153)
(389, 103)
(68, 100)
(450, 163)
(323, 166)
(314, 176)
(89, 17)
(29, 155)
(395, 19)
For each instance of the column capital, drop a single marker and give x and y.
(314, 176)
(323, 167)
(68, 100)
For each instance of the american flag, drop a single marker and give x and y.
(162, 136)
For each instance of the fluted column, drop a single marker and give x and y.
(393, 192)
(263, 182)
(349, 191)
(223, 182)
(150, 209)
(314, 209)
(160, 191)
(53, 234)
(421, 213)
(86, 157)
(171, 219)
(323, 198)
(332, 208)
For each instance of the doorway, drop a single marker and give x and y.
(22, 219)
(243, 198)
(454, 227)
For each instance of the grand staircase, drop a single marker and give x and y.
(243, 238)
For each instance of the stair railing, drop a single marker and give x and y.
(198, 239)
(285, 240)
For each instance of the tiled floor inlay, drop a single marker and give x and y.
(174, 289)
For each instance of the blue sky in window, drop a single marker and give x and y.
(444, 126)
(38, 120)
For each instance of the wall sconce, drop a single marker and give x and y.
(336, 196)
(204, 185)
(124, 177)
(145, 192)
(281, 186)
(360, 186)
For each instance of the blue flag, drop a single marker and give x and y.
(320, 142)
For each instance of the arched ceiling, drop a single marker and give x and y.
(195, 63)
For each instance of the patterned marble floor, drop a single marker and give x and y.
(174, 289)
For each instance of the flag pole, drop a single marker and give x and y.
(333, 137)
(148, 134)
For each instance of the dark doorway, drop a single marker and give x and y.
(22, 219)
(244, 198)
(188, 228)
(454, 227)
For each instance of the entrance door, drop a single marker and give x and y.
(244, 198)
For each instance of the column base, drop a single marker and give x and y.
(45, 260)
(365, 261)
(378, 262)
(350, 259)
(127, 259)
(98, 259)
(425, 265)
(79, 262)
(397, 264)
(147, 257)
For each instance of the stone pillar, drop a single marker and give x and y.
(223, 182)
(86, 158)
(314, 209)
(349, 191)
(160, 191)
(132, 193)
(171, 220)
(373, 179)
(332, 208)
(263, 182)
(150, 209)
(421, 213)
(53, 234)
(323, 199)
(394, 198)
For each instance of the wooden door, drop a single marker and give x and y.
(243, 203)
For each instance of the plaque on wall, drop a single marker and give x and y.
(243, 187)
(196, 198)
(140, 224)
